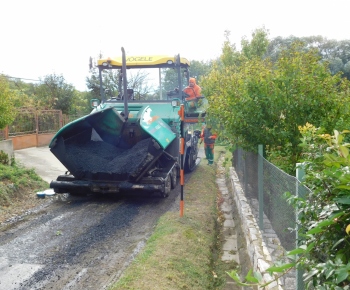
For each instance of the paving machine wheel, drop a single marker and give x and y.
(173, 178)
(190, 161)
(167, 187)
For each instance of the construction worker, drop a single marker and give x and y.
(209, 142)
(193, 90)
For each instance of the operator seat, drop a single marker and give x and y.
(130, 93)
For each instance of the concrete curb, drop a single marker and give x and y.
(256, 247)
(230, 251)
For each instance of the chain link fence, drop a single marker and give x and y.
(264, 187)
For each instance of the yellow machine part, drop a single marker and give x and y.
(141, 61)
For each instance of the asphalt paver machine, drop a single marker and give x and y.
(131, 141)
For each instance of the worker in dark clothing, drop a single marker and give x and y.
(202, 139)
(209, 142)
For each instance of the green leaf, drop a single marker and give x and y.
(337, 243)
(296, 251)
(310, 247)
(314, 231)
(344, 151)
(251, 278)
(342, 274)
(341, 288)
(258, 276)
(336, 215)
(310, 274)
(281, 268)
(345, 177)
(343, 200)
(343, 187)
(329, 272)
(325, 223)
(233, 274)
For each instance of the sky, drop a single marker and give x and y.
(42, 37)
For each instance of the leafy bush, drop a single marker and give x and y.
(263, 102)
(4, 158)
(324, 215)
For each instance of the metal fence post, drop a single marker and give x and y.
(36, 128)
(6, 132)
(245, 178)
(261, 187)
(61, 119)
(300, 173)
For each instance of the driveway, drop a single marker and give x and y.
(46, 165)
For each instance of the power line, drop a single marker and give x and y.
(9, 77)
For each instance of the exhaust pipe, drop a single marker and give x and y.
(125, 86)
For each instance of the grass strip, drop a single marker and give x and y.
(184, 252)
(18, 187)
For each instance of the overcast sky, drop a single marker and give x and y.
(41, 37)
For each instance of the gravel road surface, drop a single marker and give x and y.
(75, 242)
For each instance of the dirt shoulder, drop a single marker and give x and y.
(18, 188)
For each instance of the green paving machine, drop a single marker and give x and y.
(131, 141)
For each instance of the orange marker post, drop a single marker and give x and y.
(182, 150)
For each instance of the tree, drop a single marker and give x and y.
(140, 82)
(347, 70)
(170, 81)
(261, 102)
(337, 53)
(7, 109)
(81, 104)
(198, 69)
(111, 80)
(23, 93)
(335, 65)
(257, 47)
(93, 83)
(230, 57)
(54, 93)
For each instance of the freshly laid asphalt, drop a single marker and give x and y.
(45, 164)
